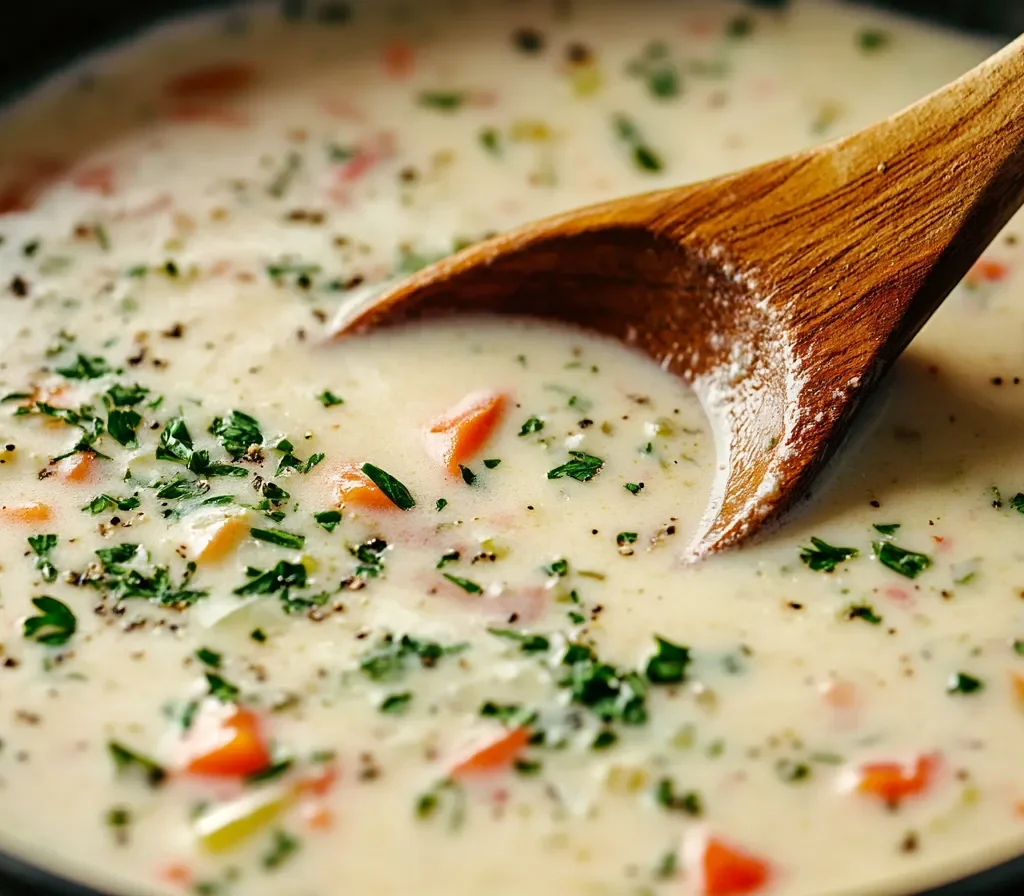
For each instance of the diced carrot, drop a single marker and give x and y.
(177, 874)
(729, 871)
(29, 512)
(320, 818)
(77, 467)
(220, 539)
(496, 755)
(319, 784)
(893, 782)
(458, 435)
(223, 80)
(225, 741)
(986, 270)
(399, 59)
(1018, 808)
(353, 487)
(1018, 687)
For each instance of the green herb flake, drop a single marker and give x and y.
(490, 140)
(962, 683)
(442, 100)
(396, 704)
(237, 432)
(604, 739)
(871, 40)
(634, 488)
(440, 504)
(448, 557)
(1017, 502)
(582, 467)
(328, 519)
(329, 400)
(791, 771)
(258, 635)
(624, 538)
(222, 689)
(282, 847)
(394, 490)
(391, 657)
(823, 557)
(126, 760)
(279, 537)
(465, 584)
(55, 624)
(491, 462)
(907, 563)
(120, 396)
(644, 158)
(85, 368)
(122, 423)
(209, 657)
(102, 503)
(532, 425)
(41, 546)
(688, 803)
(888, 528)
(865, 612)
(527, 642)
(668, 664)
(468, 476)
(281, 578)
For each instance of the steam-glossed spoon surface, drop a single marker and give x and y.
(783, 292)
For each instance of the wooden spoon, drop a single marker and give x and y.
(782, 293)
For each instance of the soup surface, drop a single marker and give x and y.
(408, 613)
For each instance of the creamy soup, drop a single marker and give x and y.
(409, 613)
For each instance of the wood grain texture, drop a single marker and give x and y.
(782, 292)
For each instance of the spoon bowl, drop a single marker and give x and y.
(782, 293)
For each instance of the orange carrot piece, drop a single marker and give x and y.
(223, 538)
(77, 467)
(319, 784)
(177, 873)
(320, 819)
(353, 487)
(729, 871)
(494, 756)
(223, 80)
(893, 782)
(399, 59)
(225, 742)
(459, 434)
(1017, 681)
(29, 512)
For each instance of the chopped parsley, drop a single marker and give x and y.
(391, 657)
(122, 423)
(41, 546)
(624, 538)
(865, 612)
(871, 40)
(527, 643)
(444, 792)
(823, 557)
(448, 557)
(440, 504)
(85, 368)
(634, 488)
(126, 759)
(394, 490)
(465, 584)
(559, 567)
(176, 445)
(282, 846)
(491, 462)
(370, 557)
(582, 467)
(644, 157)
(442, 100)
(962, 683)
(490, 140)
(237, 433)
(609, 693)
(887, 528)
(468, 476)
(102, 503)
(289, 461)
(668, 664)
(329, 400)
(532, 425)
(907, 563)
(328, 519)
(120, 396)
(791, 771)
(125, 575)
(209, 657)
(55, 624)
(689, 803)
(279, 537)
(1017, 502)
(222, 689)
(283, 577)
(396, 704)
